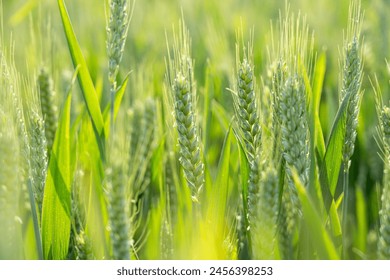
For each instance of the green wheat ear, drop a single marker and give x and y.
(119, 222)
(39, 159)
(246, 104)
(384, 214)
(294, 139)
(352, 75)
(80, 246)
(351, 81)
(48, 107)
(13, 165)
(290, 60)
(117, 28)
(265, 225)
(9, 188)
(180, 78)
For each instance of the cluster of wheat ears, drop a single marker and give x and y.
(112, 181)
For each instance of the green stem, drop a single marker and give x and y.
(345, 211)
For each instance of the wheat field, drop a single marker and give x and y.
(231, 130)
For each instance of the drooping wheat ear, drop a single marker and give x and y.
(181, 82)
(246, 104)
(39, 160)
(384, 214)
(265, 225)
(48, 107)
(295, 135)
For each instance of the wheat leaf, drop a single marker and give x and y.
(57, 197)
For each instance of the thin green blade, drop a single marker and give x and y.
(221, 189)
(330, 169)
(318, 234)
(57, 198)
(89, 93)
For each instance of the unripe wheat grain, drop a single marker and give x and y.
(48, 107)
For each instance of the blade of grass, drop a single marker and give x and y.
(85, 80)
(330, 165)
(318, 234)
(316, 136)
(221, 190)
(244, 176)
(319, 76)
(362, 223)
(56, 201)
(23, 12)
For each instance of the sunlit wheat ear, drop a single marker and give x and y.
(117, 193)
(80, 246)
(384, 214)
(13, 167)
(9, 188)
(352, 75)
(39, 159)
(119, 222)
(265, 224)
(117, 28)
(246, 104)
(291, 58)
(142, 143)
(180, 78)
(279, 73)
(295, 135)
(48, 107)
(351, 81)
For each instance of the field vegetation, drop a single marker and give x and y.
(194, 129)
